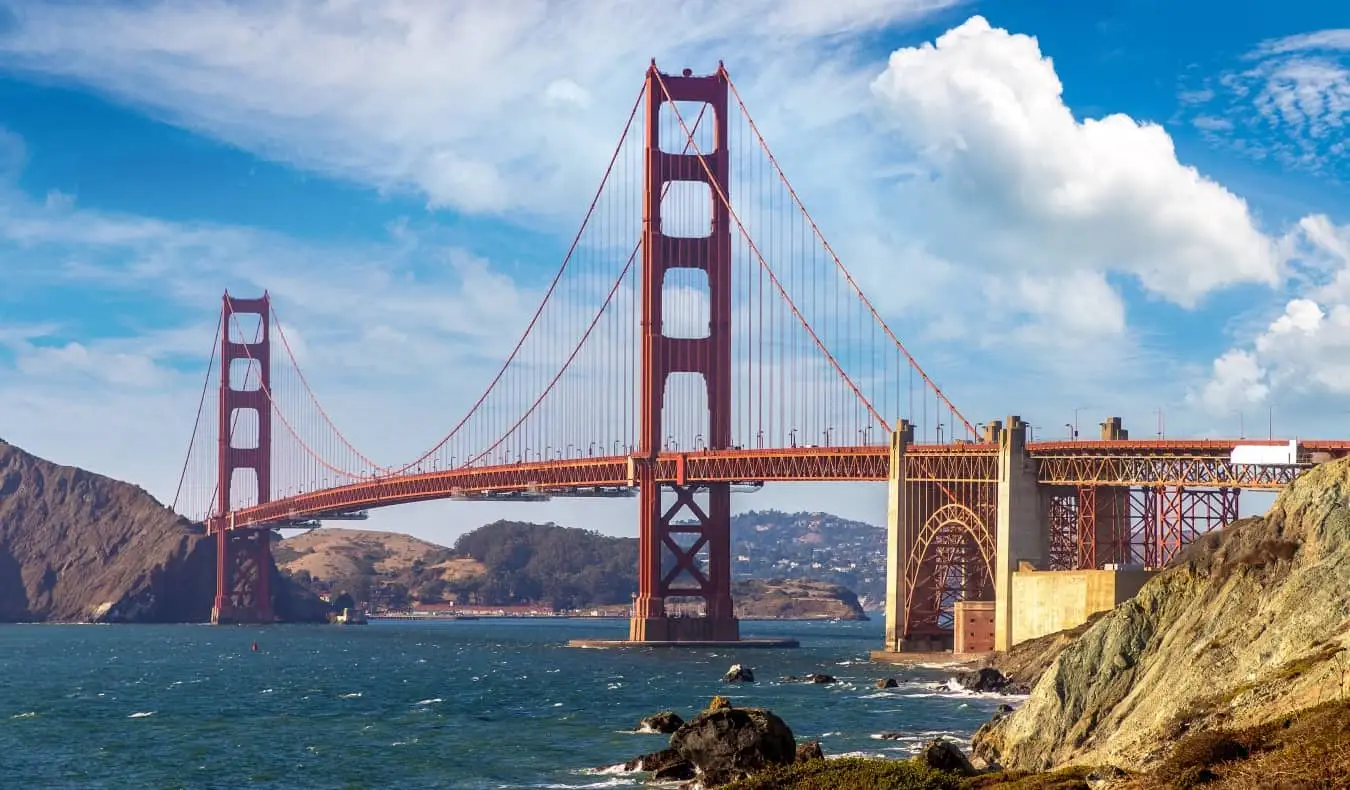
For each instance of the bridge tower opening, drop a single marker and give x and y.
(700, 518)
(243, 556)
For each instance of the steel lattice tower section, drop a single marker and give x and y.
(243, 556)
(662, 356)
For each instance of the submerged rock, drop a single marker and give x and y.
(664, 722)
(739, 674)
(887, 683)
(819, 678)
(732, 743)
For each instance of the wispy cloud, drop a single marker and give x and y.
(1289, 101)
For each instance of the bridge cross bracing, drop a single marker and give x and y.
(700, 335)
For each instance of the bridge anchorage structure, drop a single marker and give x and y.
(701, 337)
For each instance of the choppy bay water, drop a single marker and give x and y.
(468, 704)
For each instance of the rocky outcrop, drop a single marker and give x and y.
(795, 599)
(1250, 623)
(80, 547)
(943, 755)
(809, 750)
(887, 683)
(664, 722)
(739, 674)
(731, 743)
(986, 679)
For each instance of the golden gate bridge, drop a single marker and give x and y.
(700, 334)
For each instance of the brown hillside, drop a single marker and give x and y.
(341, 554)
(76, 547)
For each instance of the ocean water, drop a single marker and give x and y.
(467, 704)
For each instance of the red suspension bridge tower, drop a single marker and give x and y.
(244, 441)
(705, 524)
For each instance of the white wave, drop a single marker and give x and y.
(432, 701)
(614, 781)
(350, 695)
(265, 691)
(842, 755)
(609, 770)
(141, 715)
(32, 714)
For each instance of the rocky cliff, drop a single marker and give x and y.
(80, 547)
(1251, 624)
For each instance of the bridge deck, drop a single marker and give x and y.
(1201, 463)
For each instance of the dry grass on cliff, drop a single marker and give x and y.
(1072, 778)
(1308, 749)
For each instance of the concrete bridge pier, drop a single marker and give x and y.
(900, 533)
(1019, 532)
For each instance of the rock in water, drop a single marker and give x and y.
(887, 683)
(809, 750)
(732, 743)
(739, 674)
(819, 678)
(719, 703)
(675, 772)
(664, 722)
(655, 761)
(80, 547)
(946, 756)
(983, 679)
(1230, 630)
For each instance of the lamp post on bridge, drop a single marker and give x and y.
(1073, 434)
(826, 434)
(792, 437)
(698, 442)
(569, 449)
(547, 452)
(618, 446)
(1075, 419)
(939, 433)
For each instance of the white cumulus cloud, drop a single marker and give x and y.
(1040, 191)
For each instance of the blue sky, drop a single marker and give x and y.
(1172, 230)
